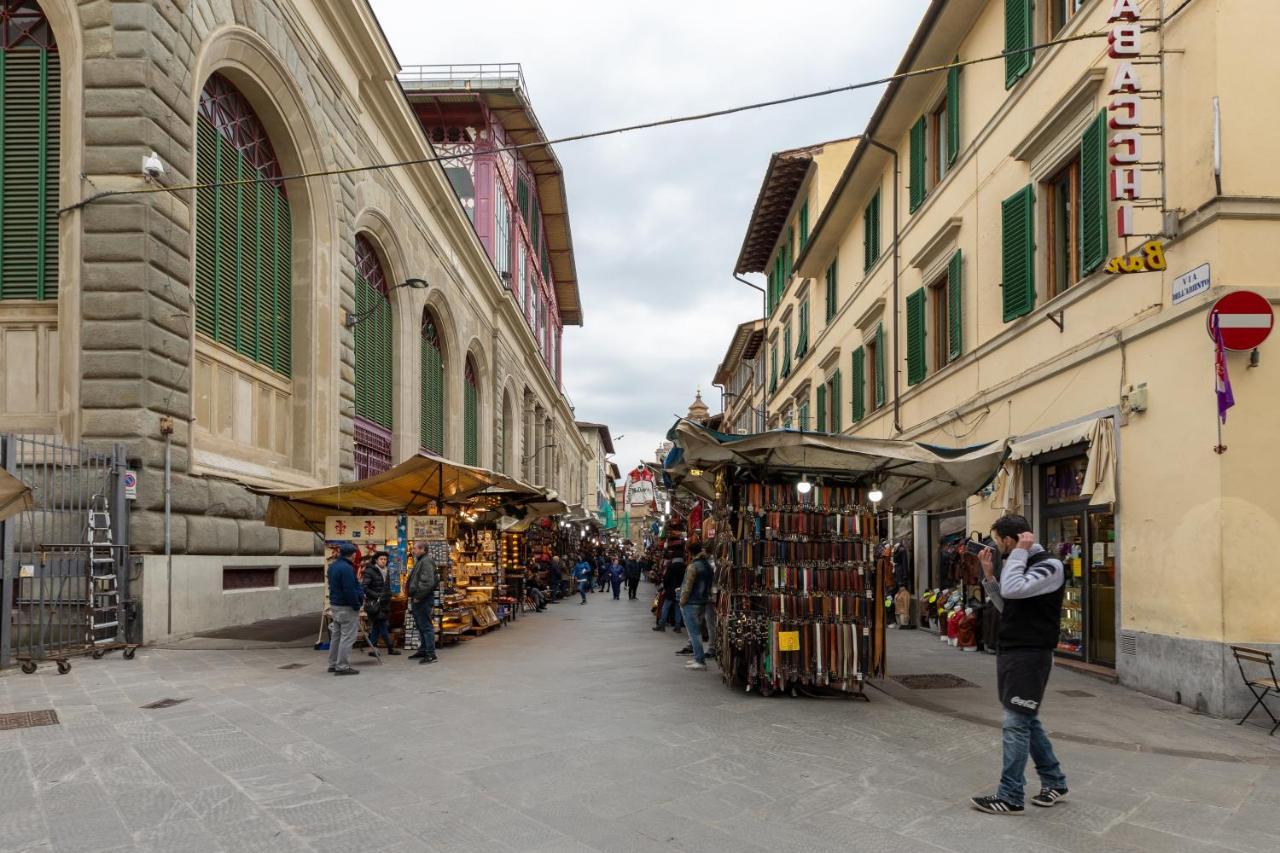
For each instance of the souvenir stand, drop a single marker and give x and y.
(800, 575)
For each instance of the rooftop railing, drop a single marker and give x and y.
(463, 78)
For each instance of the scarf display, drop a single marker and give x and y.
(800, 580)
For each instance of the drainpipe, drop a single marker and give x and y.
(764, 314)
(897, 175)
(166, 429)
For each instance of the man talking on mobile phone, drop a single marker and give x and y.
(1028, 594)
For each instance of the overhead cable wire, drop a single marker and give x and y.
(595, 134)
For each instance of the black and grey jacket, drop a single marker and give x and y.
(1029, 596)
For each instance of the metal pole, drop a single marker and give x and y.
(120, 537)
(168, 529)
(7, 568)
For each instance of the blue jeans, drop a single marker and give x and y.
(617, 587)
(426, 626)
(693, 621)
(1023, 734)
(583, 587)
(672, 609)
(380, 629)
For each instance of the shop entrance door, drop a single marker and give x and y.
(1085, 541)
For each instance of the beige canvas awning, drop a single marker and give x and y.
(410, 488)
(1099, 480)
(15, 496)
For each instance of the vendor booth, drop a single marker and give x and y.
(471, 520)
(800, 571)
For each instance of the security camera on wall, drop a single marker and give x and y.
(153, 166)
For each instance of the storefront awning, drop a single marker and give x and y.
(1025, 448)
(410, 488)
(912, 476)
(1099, 484)
(15, 496)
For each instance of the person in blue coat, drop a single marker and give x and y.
(346, 596)
(582, 575)
(616, 574)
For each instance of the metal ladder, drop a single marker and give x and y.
(104, 586)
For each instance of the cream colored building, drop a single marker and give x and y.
(229, 310)
(992, 315)
(741, 377)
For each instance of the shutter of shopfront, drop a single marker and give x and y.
(858, 382)
(29, 161)
(917, 366)
(821, 425)
(917, 174)
(1017, 40)
(1018, 253)
(955, 306)
(953, 114)
(880, 371)
(1093, 195)
(835, 401)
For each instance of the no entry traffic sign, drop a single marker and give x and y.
(1244, 317)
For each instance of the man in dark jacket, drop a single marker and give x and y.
(672, 580)
(345, 598)
(424, 578)
(376, 581)
(632, 565)
(695, 592)
(1029, 595)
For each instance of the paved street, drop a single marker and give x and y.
(579, 730)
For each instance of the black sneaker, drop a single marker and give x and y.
(659, 628)
(333, 669)
(346, 672)
(1049, 797)
(429, 659)
(687, 650)
(995, 805)
(417, 655)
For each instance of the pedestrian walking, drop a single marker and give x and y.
(616, 574)
(694, 595)
(602, 571)
(632, 566)
(1028, 594)
(672, 580)
(345, 598)
(582, 574)
(421, 587)
(376, 581)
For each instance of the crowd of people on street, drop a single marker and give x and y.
(685, 577)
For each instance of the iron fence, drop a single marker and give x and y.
(48, 597)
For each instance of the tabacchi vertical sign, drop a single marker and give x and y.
(1125, 112)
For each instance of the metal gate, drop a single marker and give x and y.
(48, 591)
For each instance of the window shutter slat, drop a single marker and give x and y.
(29, 167)
(835, 401)
(1018, 253)
(918, 164)
(857, 385)
(879, 366)
(916, 364)
(1093, 195)
(821, 425)
(953, 115)
(1017, 37)
(955, 306)
(871, 233)
(431, 410)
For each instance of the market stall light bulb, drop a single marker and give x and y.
(875, 495)
(804, 486)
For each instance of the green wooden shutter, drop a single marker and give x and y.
(1018, 253)
(955, 306)
(835, 401)
(802, 337)
(804, 225)
(953, 114)
(208, 222)
(373, 355)
(880, 371)
(30, 97)
(1093, 195)
(786, 350)
(773, 367)
(917, 364)
(821, 425)
(918, 164)
(431, 411)
(833, 294)
(1017, 37)
(803, 410)
(858, 383)
(470, 421)
(871, 233)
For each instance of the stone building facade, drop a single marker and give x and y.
(123, 348)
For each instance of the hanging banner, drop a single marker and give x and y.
(358, 528)
(640, 489)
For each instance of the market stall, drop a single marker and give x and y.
(799, 567)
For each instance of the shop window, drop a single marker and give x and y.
(1063, 481)
(244, 231)
(1062, 212)
(1060, 12)
(30, 101)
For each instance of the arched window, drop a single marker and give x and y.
(30, 97)
(373, 363)
(432, 410)
(470, 415)
(244, 232)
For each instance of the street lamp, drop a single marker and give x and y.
(353, 320)
(875, 495)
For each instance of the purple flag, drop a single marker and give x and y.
(1222, 379)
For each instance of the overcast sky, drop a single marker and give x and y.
(658, 216)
